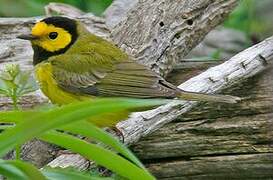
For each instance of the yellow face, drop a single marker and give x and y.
(50, 37)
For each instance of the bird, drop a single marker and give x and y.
(72, 64)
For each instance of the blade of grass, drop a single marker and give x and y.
(31, 171)
(101, 156)
(20, 170)
(84, 128)
(11, 172)
(34, 126)
(70, 174)
(89, 130)
(16, 116)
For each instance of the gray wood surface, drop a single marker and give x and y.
(217, 141)
(158, 33)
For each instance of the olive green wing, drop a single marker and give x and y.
(92, 75)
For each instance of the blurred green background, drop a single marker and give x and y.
(254, 17)
(19, 8)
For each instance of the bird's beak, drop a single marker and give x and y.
(27, 37)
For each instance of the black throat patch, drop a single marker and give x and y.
(41, 54)
(69, 25)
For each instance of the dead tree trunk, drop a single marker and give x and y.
(216, 141)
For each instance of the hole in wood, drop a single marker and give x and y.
(262, 60)
(161, 24)
(190, 22)
(177, 35)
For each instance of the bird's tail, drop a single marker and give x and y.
(193, 96)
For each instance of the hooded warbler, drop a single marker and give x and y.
(72, 64)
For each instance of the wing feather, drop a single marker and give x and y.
(124, 78)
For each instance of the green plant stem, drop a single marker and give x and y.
(18, 152)
(14, 99)
(15, 107)
(15, 104)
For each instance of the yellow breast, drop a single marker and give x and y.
(50, 88)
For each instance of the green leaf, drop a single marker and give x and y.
(25, 83)
(3, 87)
(101, 156)
(7, 87)
(17, 116)
(40, 123)
(30, 171)
(15, 83)
(32, 124)
(89, 130)
(10, 72)
(10, 171)
(20, 170)
(70, 174)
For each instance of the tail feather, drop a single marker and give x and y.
(193, 96)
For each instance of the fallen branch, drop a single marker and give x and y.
(244, 65)
(240, 67)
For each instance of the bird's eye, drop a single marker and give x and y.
(53, 35)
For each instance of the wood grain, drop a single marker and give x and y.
(216, 141)
(159, 33)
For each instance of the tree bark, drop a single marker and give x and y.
(172, 29)
(226, 167)
(242, 66)
(217, 141)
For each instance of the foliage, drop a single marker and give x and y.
(243, 18)
(72, 118)
(15, 83)
(36, 7)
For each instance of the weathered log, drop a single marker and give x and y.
(172, 29)
(243, 128)
(227, 42)
(62, 9)
(226, 167)
(217, 141)
(242, 66)
(117, 12)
